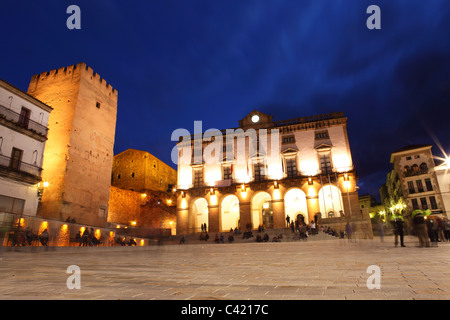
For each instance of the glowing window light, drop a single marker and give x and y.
(213, 200)
(43, 226)
(276, 194)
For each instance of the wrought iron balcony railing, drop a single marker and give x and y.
(22, 122)
(20, 167)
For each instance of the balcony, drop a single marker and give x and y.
(20, 171)
(23, 124)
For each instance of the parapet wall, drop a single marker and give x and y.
(69, 71)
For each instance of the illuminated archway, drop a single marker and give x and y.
(295, 204)
(200, 212)
(262, 213)
(229, 212)
(330, 201)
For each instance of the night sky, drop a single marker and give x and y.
(174, 62)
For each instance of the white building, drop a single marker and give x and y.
(443, 177)
(23, 133)
(418, 178)
(265, 170)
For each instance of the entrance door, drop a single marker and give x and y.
(16, 158)
(267, 214)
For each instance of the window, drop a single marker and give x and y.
(118, 176)
(98, 104)
(102, 213)
(226, 170)
(290, 139)
(411, 187)
(433, 203)
(16, 159)
(322, 135)
(132, 174)
(408, 158)
(11, 205)
(198, 178)
(415, 204)
(423, 168)
(325, 163)
(198, 153)
(415, 169)
(419, 186)
(291, 167)
(228, 151)
(24, 118)
(428, 184)
(423, 202)
(407, 171)
(259, 171)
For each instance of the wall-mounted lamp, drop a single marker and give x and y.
(41, 188)
(276, 185)
(310, 182)
(183, 194)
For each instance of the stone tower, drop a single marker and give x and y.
(79, 151)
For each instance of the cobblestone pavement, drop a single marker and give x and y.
(330, 269)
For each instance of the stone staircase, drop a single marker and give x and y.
(286, 234)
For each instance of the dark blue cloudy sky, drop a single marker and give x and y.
(174, 62)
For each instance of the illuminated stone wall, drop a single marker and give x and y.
(124, 206)
(141, 171)
(147, 210)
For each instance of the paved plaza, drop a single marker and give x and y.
(323, 269)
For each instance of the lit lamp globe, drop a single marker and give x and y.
(255, 118)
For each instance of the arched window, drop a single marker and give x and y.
(415, 169)
(407, 171)
(423, 168)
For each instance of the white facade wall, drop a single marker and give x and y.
(443, 178)
(33, 150)
(14, 102)
(307, 157)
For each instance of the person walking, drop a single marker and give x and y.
(85, 237)
(421, 230)
(399, 231)
(348, 230)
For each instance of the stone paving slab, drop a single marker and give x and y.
(317, 270)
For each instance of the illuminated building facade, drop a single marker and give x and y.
(416, 174)
(263, 171)
(23, 134)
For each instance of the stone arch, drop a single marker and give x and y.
(261, 208)
(330, 200)
(295, 203)
(199, 212)
(229, 212)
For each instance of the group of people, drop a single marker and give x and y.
(431, 230)
(20, 237)
(124, 241)
(88, 238)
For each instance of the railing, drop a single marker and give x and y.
(22, 167)
(321, 117)
(20, 121)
